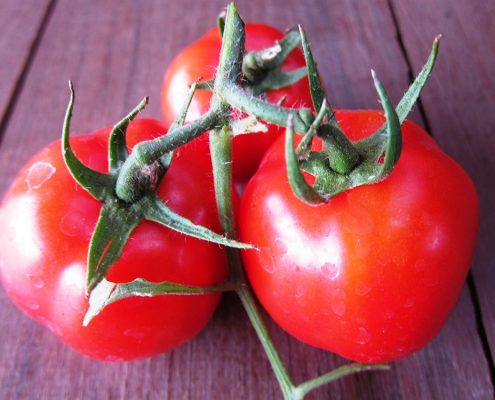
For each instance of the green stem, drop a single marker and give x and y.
(304, 388)
(221, 153)
(246, 102)
(146, 153)
(252, 309)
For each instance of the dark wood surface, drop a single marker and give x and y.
(116, 52)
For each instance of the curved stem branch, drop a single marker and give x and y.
(304, 388)
(145, 153)
(246, 102)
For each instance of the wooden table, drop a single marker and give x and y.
(116, 52)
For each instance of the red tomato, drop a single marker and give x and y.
(200, 60)
(373, 274)
(46, 221)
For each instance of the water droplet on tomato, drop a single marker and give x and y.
(38, 174)
(409, 302)
(71, 222)
(362, 289)
(135, 333)
(268, 267)
(283, 246)
(36, 281)
(338, 307)
(389, 314)
(363, 336)
(330, 270)
(300, 291)
(33, 306)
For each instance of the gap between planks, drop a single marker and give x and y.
(21, 79)
(480, 326)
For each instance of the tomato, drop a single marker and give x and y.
(46, 220)
(200, 60)
(373, 274)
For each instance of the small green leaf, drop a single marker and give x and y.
(117, 145)
(300, 187)
(106, 293)
(95, 183)
(113, 228)
(155, 210)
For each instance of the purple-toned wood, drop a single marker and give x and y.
(116, 53)
(459, 107)
(20, 22)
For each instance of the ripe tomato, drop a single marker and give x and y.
(373, 274)
(200, 60)
(46, 220)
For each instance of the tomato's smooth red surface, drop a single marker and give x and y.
(200, 60)
(46, 221)
(373, 274)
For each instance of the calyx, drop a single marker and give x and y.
(342, 164)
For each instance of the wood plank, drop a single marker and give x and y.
(459, 107)
(116, 56)
(21, 23)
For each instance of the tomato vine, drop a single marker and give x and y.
(128, 191)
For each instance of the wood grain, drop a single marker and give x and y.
(116, 54)
(20, 23)
(459, 107)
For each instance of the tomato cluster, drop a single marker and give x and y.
(371, 275)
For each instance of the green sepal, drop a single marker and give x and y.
(113, 228)
(106, 292)
(304, 147)
(95, 183)
(117, 153)
(156, 210)
(370, 170)
(317, 90)
(393, 129)
(410, 97)
(166, 159)
(300, 187)
(342, 156)
(117, 221)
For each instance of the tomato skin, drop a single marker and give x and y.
(200, 60)
(373, 274)
(46, 221)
